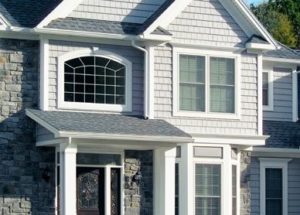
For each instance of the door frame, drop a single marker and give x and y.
(97, 150)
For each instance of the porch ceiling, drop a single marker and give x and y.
(107, 126)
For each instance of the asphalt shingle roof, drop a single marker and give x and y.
(107, 124)
(26, 13)
(93, 25)
(283, 52)
(282, 134)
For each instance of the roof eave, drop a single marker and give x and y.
(281, 60)
(102, 136)
(259, 46)
(54, 31)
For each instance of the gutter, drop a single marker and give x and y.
(146, 78)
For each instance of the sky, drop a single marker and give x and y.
(254, 1)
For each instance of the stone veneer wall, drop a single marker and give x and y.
(139, 197)
(245, 197)
(22, 187)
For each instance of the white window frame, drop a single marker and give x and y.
(277, 164)
(61, 104)
(270, 106)
(207, 54)
(226, 182)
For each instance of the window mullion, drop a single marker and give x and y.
(207, 84)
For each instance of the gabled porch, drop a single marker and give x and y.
(111, 164)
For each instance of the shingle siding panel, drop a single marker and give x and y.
(58, 48)
(207, 23)
(136, 11)
(163, 103)
(282, 84)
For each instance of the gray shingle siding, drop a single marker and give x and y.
(136, 11)
(163, 102)
(58, 48)
(282, 95)
(207, 23)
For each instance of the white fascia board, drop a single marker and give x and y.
(234, 50)
(25, 34)
(282, 60)
(155, 37)
(259, 46)
(168, 15)
(91, 135)
(42, 122)
(242, 140)
(4, 21)
(273, 150)
(62, 32)
(61, 11)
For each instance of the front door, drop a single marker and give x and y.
(90, 191)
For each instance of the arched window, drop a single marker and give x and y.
(95, 82)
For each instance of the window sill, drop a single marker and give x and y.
(195, 114)
(94, 107)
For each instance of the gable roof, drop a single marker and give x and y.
(26, 13)
(43, 12)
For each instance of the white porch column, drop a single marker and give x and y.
(68, 179)
(186, 181)
(164, 181)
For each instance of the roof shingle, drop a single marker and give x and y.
(26, 13)
(107, 124)
(93, 25)
(282, 134)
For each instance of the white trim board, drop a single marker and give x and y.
(61, 11)
(4, 21)
(231, 139)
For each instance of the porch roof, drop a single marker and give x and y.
(107, 126)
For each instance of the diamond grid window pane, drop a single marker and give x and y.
(93, 79)
(192, 83)
(207, 189)
(222, 89)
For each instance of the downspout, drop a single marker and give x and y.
(146, 78)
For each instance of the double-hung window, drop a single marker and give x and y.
(267, 89)
(215, 184)
(273, 186)
(207, 84)
(208, 189)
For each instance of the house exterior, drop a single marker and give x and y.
(139, 107)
